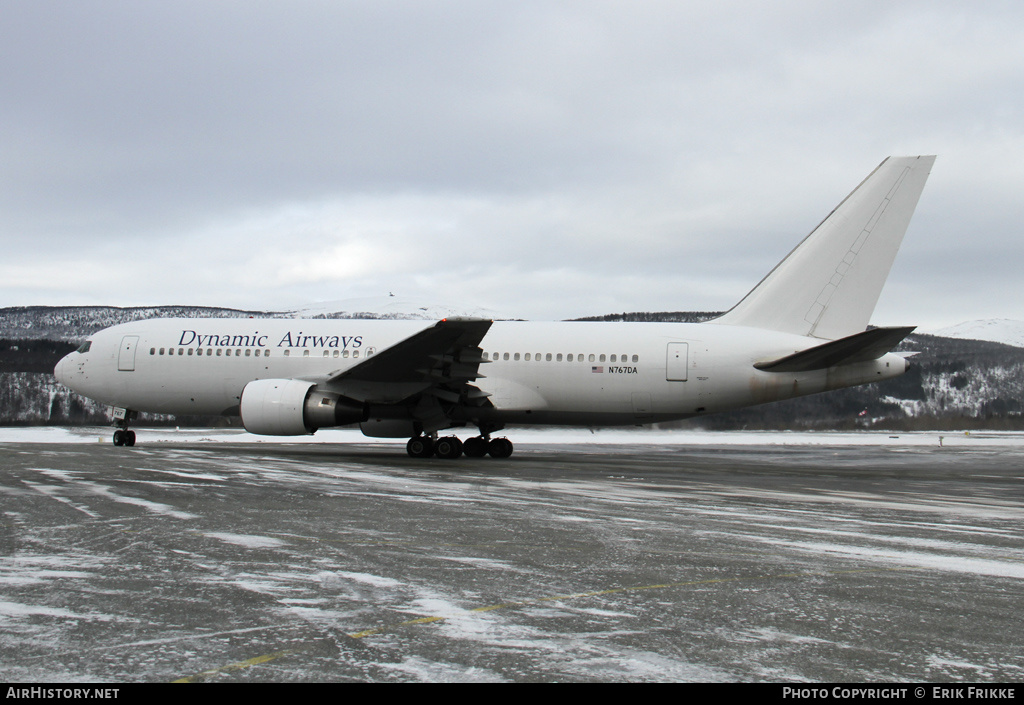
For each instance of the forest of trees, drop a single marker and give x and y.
(951, 384)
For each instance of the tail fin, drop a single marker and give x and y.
(827, 287)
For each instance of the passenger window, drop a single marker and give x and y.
(152, 351)
(558, 358)
(161, 351)
(219, 351)
(636, 358)
(601, 359)
(613, 359)
(209, 351)
(517, 356)
(190, 351)
(248, 352)
(355, 353)
(527, 357)
(287, 353)
(181, 351)
(305, 353)
(548, 357)
(592, 357)
(228, 353)
(505, 356)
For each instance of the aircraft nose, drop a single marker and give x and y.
(59, 371)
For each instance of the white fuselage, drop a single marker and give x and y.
(573, 373)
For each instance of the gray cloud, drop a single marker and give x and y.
(541, 158)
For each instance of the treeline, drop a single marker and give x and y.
(32, 355)
(654, 317)
(951, 384)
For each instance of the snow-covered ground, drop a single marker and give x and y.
(532, 436)
(754, 557)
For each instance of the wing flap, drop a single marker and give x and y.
(868, 345)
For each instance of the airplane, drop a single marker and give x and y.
(802, 330)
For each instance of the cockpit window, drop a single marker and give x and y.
(84, 347)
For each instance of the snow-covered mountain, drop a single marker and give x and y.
(71, 323)
(996, 330)
(390, 307)
(959, 379)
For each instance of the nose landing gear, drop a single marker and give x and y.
(123, 436)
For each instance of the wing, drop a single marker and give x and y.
(439, 362)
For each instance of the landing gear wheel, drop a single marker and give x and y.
(448, 448)
(475, 447)
(499, 448)
(420, 447)
(124, 437)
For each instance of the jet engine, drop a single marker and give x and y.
(294, 407)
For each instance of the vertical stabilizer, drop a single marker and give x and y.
(827, 287)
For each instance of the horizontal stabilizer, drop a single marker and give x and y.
(869, 345)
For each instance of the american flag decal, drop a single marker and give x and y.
(597, 369)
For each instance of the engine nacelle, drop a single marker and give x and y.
(293, 407)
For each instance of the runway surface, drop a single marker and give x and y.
(228, 561)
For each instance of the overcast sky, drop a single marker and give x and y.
(545, 160)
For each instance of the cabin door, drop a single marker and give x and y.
(126, 355)
(677, 361)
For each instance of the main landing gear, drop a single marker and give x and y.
(451, 447)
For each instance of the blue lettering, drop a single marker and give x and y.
(191, 337)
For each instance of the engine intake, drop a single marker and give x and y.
(294, 407)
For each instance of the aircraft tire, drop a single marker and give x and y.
(129, 438)
(118, 437)
(475, 447)
(500, 448)
(420, 447)
(448, 448)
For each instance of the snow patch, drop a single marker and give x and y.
(246, 540)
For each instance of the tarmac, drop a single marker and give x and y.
(570, 561)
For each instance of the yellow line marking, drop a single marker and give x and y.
(237, 666)
(534, 601)
(610, 591)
